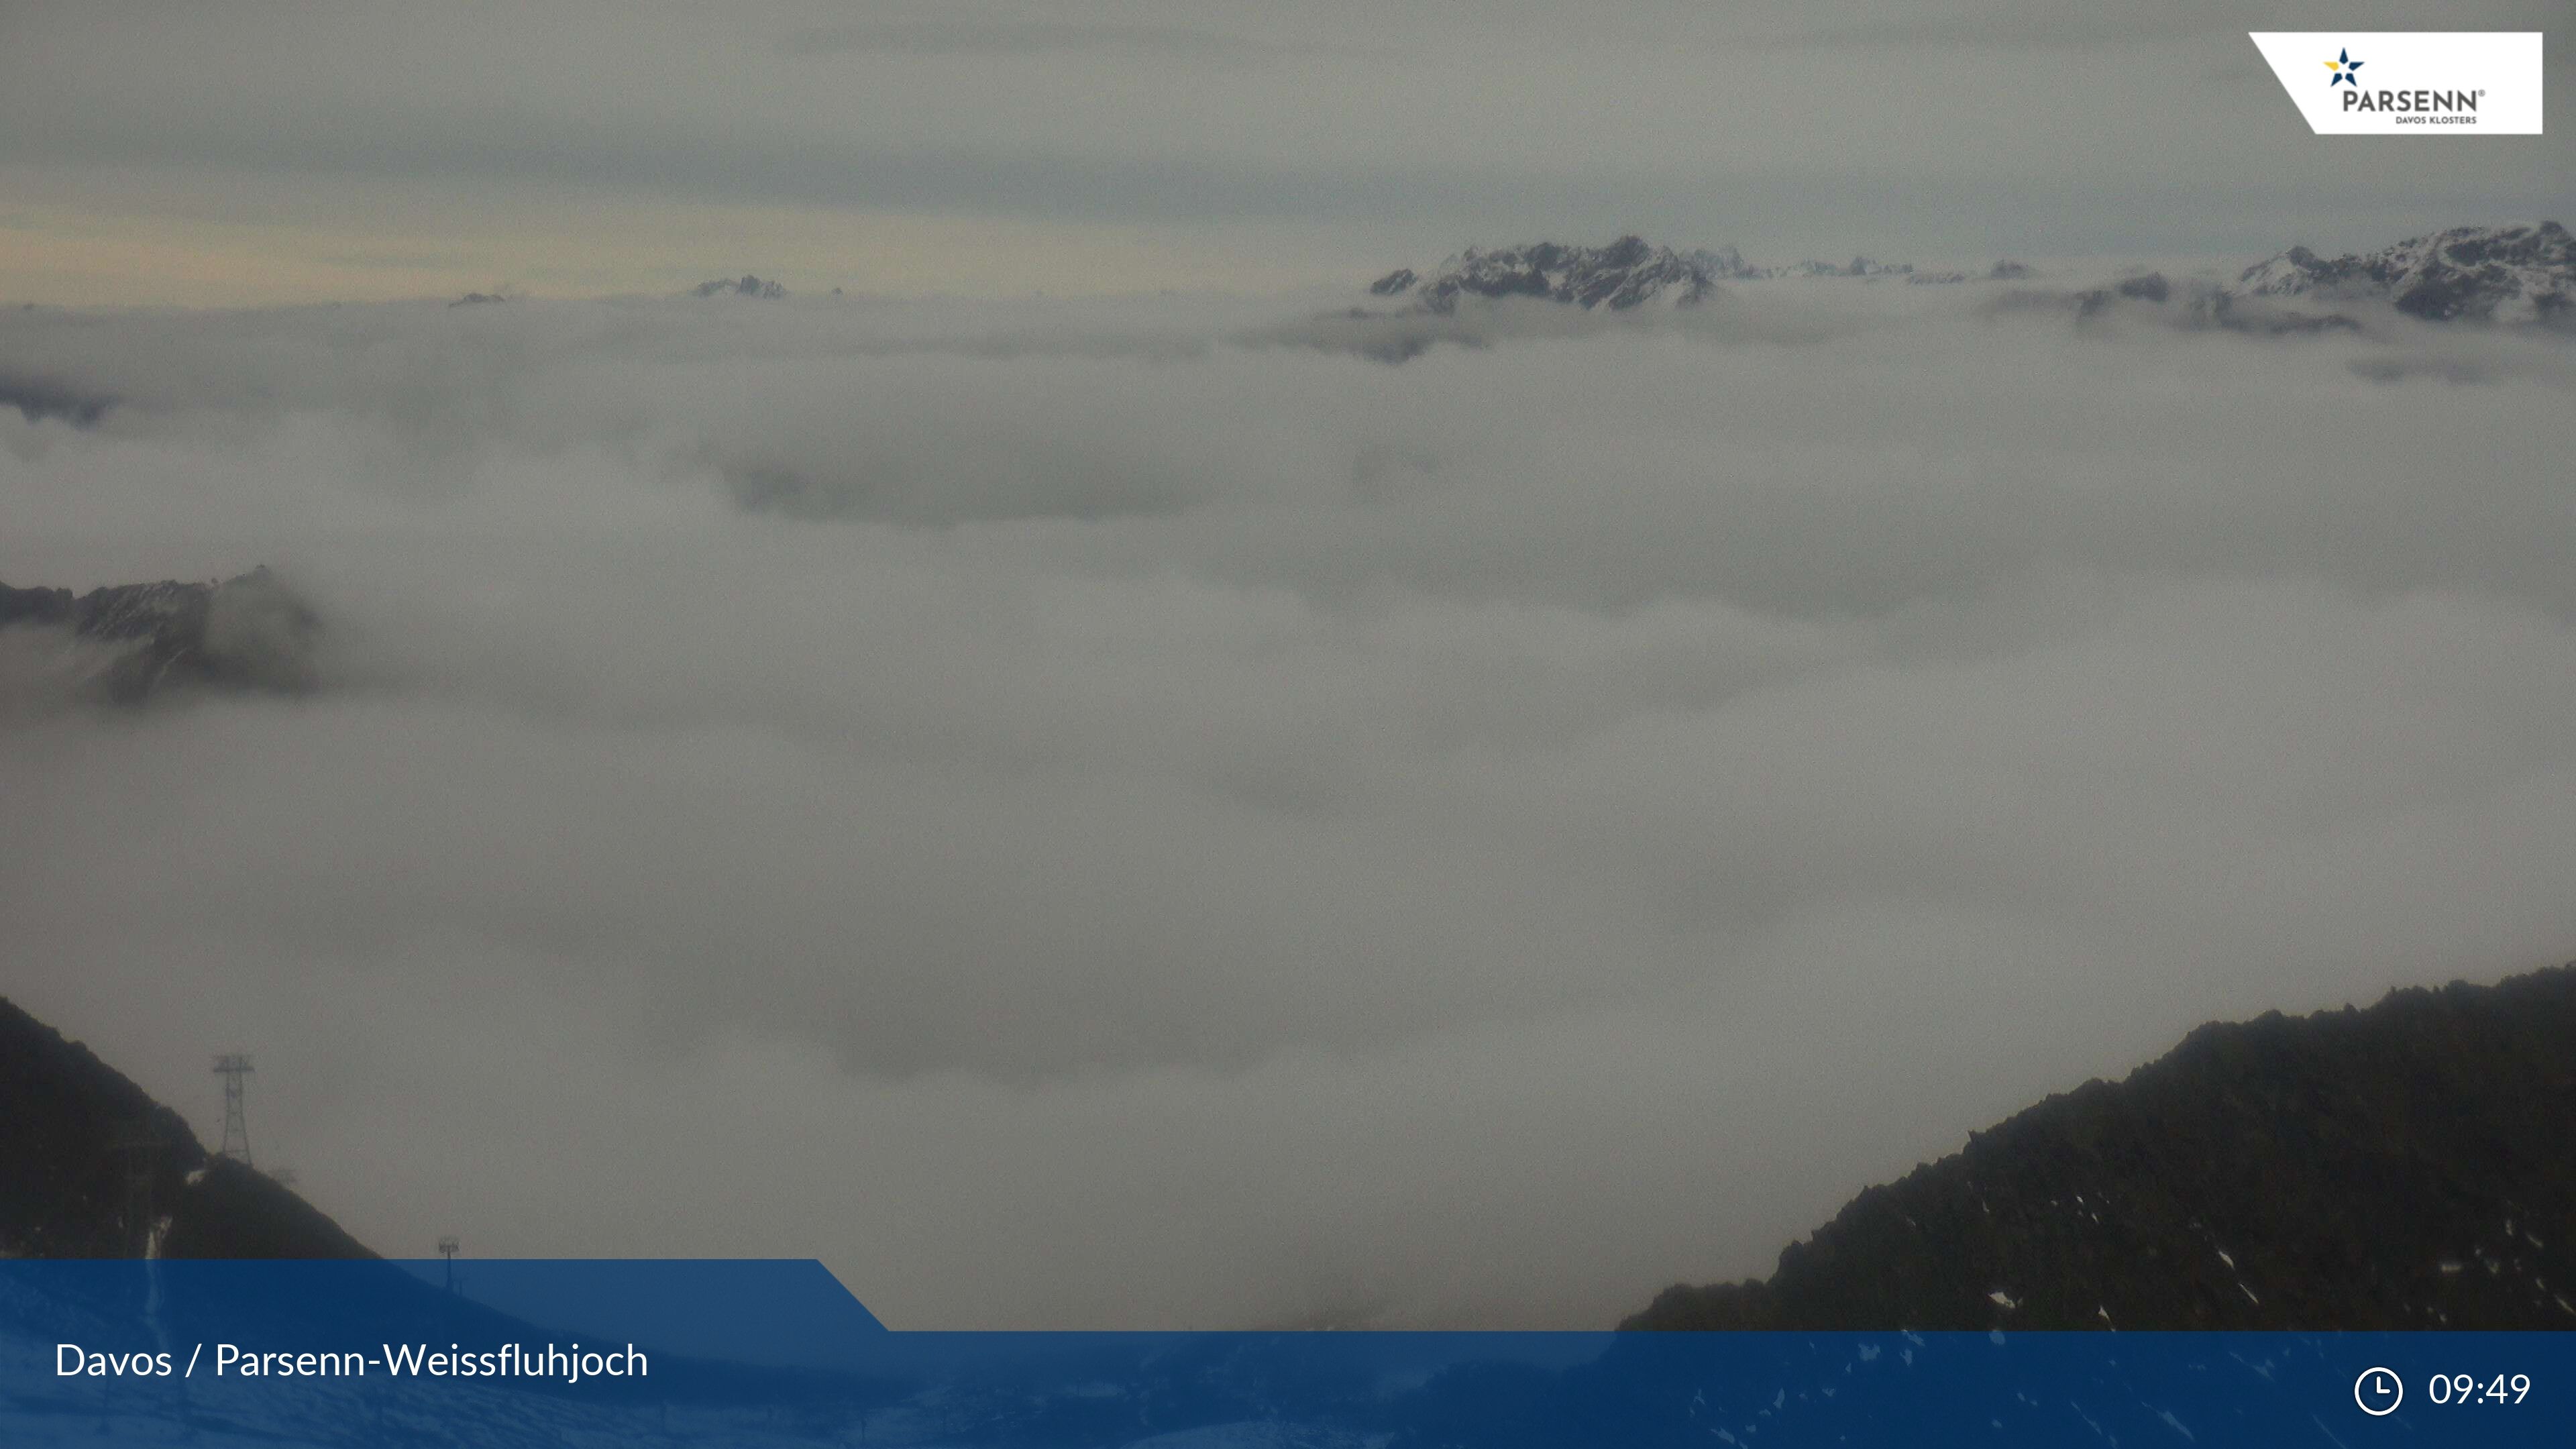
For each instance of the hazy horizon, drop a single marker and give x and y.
(237, 154)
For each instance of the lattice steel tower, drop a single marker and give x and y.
(233, 1067)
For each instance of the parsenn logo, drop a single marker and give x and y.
(2347, 71)
(2461, 83)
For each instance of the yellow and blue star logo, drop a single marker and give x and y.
(2343, 66)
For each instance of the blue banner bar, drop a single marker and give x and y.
(674, 1353)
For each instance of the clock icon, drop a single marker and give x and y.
(2378, 1392)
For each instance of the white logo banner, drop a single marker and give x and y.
(2409, 82)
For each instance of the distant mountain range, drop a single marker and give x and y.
(2507, 274)
(1627, 273)
(2483, 273)
(127, 642)
(743, 286)
(2403, 1167)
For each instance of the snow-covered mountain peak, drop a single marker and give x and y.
(1627, 273)
(2484, 273)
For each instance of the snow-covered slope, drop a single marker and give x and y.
(2482, 273)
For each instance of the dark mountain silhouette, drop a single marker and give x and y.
(2406, 1166)
(71, 1130)
(86, 1156)
(2323, 1160)
(39, 398)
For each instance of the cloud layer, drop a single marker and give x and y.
(1091, 814)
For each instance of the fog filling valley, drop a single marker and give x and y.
(1108, 814)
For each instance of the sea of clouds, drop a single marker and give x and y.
(1138, 814)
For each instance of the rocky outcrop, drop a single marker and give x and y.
(1626, 274)
(2469, 273)
(128, 642)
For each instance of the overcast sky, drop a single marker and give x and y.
(211, 153)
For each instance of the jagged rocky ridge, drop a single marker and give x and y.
(2002, 271)
(2187, 303)
(743, 286)
(1627, 273)
(2403, 1167)
(1856, 267)
(2500, 274)
(73, 1131)
(2480, 273)
(127, 642)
